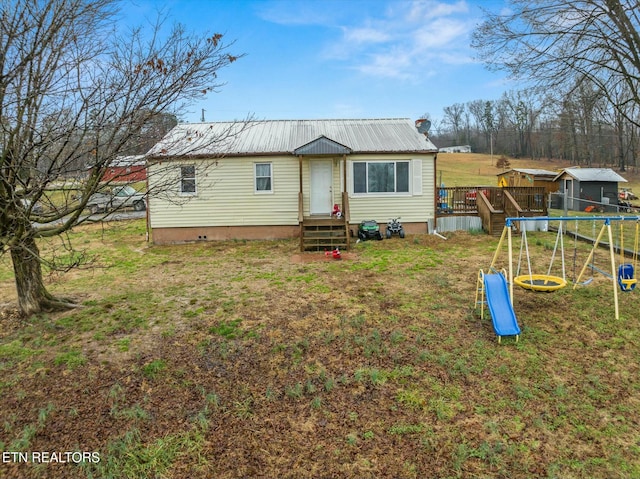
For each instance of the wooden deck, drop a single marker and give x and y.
(492, 204)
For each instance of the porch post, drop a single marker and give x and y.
(345, 200)
(344, 174)
(300, 199)
(436, 192)
(300, 205)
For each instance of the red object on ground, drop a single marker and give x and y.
(335, 254)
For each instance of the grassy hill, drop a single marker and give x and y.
(467, 169)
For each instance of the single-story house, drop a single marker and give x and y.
(589, 188)
(268, 179)
(529, 177)
(126, 169)
(456, 149)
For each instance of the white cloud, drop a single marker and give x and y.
(285, 12)
(422, 10)
(387, 65)
(406, 39)
(366, 35)
(442, 33)
(398, 39)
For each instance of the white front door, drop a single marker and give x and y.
(320, 188)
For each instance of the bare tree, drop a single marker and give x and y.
(551, 43)
(521, 115)
(617, 142)
(76, 93)
(475, 109)
(454, 116)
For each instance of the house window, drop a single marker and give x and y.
(381, 177)
(264, 180)
(188, 179)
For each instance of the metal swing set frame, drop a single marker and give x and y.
(548, 282)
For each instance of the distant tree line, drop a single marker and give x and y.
(581, 65)
(580, 127)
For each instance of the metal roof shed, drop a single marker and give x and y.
(529, 177)
(602, 175)
(590, 188)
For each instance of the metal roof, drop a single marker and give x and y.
(126, 161)
(394, 135)
(536, 171)
(531, 171)
(593, 174)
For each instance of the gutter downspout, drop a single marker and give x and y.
(439, 235)
(435, 197)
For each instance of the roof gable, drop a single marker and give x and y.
(322, 146)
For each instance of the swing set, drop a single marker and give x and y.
(623, 278)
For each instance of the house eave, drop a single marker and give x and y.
(160, 158)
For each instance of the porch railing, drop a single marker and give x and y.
(464, 199)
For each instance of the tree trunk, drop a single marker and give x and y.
(33, 297)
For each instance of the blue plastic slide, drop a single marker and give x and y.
(502, 314)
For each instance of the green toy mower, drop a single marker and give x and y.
(368, 230)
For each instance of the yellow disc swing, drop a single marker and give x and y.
(541, 282)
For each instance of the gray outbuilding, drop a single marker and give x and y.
(588, 189)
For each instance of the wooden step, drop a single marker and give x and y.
(322, 234)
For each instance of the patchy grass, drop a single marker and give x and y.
(247, 363)
(233, 359)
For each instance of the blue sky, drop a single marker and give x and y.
(308, 59)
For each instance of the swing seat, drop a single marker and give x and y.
(540, 282)
(626, 281)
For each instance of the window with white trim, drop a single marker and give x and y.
(381, 177)
(263, 178)
(188, 179)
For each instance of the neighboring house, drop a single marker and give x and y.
(456, 149)
(269, 179)
(589, 188)
(529, 177)
(126, 169)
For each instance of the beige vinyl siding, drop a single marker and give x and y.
(225, 194)
(417, 206)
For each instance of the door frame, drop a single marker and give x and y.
(326, 197)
